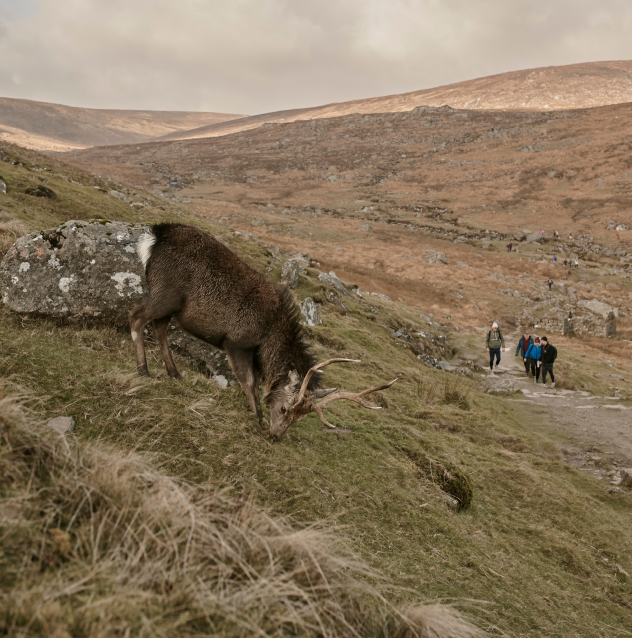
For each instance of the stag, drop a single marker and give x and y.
(221, 300)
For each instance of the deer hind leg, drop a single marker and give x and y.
(160, 331)
(152, 310)
(243, 365)
(137, 321)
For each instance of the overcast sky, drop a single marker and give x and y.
(255, 56)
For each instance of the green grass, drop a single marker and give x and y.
(541, 551)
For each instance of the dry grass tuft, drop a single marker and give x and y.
(451, 389)
(97, 542)
(10, 231)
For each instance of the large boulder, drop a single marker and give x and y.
(91, 269)
(79, 269)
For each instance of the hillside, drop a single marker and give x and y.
(40, 125)
(464, 175)
(543, 549)
(543, 89)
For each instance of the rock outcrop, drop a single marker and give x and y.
(79, 269)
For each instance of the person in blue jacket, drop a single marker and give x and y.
(532, 358)
(523, 345)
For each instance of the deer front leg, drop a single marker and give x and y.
(242, 364)
(160, 332)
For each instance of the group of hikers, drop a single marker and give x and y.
(537, 353)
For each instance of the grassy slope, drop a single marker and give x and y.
(542, 545)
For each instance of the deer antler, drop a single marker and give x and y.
(349, 396)
(313, 369)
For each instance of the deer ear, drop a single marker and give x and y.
(323, 392)
(293, 377)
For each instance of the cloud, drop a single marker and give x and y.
(253, 56)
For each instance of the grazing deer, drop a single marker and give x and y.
(221, 300)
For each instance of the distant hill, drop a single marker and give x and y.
(42, 126)
(546, 88)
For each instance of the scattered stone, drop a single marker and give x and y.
(41, 191)
(608, 362)
(121, 196)
(331, 280)
(62, 424)
(626, 476)
(208, 360)
(614, 490)
(3, 187)
(4, 216)
(498, 388)
(615, 376)
(622, 227)
(311, 317)
(436, 258)
(406, 256)
(365, 227)
(290, 272)
(486, 243)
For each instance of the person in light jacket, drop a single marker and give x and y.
(523, 345)
(494, 342)
(532, 358)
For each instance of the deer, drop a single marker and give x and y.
(218, 298)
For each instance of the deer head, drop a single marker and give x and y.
(293, 401)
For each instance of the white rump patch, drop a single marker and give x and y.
(145, 246)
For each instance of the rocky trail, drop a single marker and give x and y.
(595, 431)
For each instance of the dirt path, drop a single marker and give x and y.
(598, 430)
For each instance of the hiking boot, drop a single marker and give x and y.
(491, 372)
(552, 385)
(535, 380)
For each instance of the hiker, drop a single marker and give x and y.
(577, 263)
(510, 246)
(523, 346)
(494, 342)
(550, 283)
(555, 258)
(556, 234)
(565, 262)
(532, 359)
(570, 235)
(547, 358)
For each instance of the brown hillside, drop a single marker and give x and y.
(42, 126)
(547, 88)
(309, 185)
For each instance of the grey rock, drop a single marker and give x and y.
(436, 258)
(365, 227)
(331, 280)
(3, 187)
(626, 476)
(79, 269)
(614, 490)
(494, 386)
(121, 196)
(486, 243)
(62, 424)
(208, 360)
(4, 216)
(311, 317)
(290, 272)
(622, 227)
